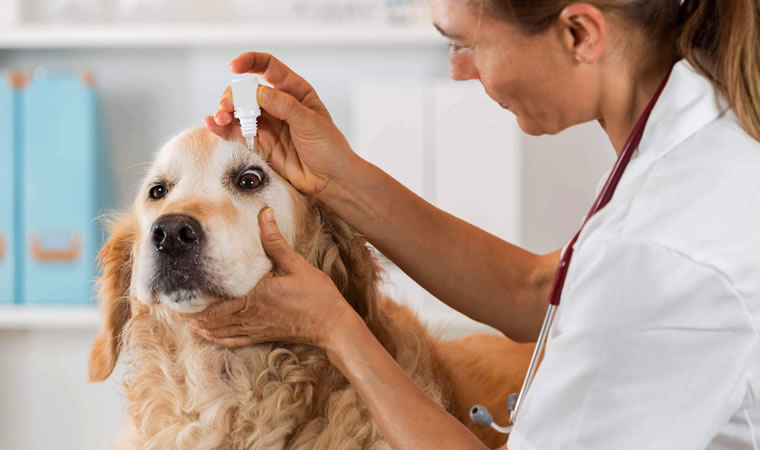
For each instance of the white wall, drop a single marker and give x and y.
(454, 147)
(45, 400)
(561, 174)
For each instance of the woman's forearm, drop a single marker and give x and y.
(407, 417)
(484, 277)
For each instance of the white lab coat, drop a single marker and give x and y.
(655, 344)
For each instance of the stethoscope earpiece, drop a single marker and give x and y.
(512, 402)
(480, 415)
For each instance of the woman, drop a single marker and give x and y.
(656, 342)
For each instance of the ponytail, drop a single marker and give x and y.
(721, 38)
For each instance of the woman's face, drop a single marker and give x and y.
(534, 76)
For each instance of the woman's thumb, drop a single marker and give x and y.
(284, 257)
(284, 107)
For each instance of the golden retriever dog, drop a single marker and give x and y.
(191, 239)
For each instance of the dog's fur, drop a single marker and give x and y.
(187, 393)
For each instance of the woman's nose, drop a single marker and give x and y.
(462, 68)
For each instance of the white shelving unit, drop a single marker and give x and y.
(172, 35)
(17, 317)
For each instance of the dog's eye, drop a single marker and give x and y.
(158, 192)
(250, 179)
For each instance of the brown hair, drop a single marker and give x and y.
(719, 38)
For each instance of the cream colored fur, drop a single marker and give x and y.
(184, 392)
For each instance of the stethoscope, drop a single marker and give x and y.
(479, 413)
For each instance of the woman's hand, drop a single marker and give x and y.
(295, 130)
(302, 305)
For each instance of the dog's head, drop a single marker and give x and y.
(197, 222)
(192, 238)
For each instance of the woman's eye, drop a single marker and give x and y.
(158, 192)
(453, 46)
(251, 179)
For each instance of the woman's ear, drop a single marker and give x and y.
(115, 261)
(584, 31)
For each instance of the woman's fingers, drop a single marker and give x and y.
(274, 123)
(228, 132)
(231, 342)
(275, 245)
(275, 72)
(226, 103)
(284, 106)
(219, 130)
(272, 144)
(226, 332)
(220, 314)
(223, 118)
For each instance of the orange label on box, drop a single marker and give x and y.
(67, 254)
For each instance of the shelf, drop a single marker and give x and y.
(18, 317)
(162, 35)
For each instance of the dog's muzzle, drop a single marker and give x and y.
(178, 242)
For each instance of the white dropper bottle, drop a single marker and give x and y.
(246, 106)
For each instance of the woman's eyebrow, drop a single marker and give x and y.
(446, 34)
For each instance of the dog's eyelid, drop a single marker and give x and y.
(257, 170)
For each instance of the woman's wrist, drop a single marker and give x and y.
(344, 332)
(341, 187)
(405, 413)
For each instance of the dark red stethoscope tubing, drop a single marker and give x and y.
(607, 191)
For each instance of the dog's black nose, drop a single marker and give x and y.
(176, 233)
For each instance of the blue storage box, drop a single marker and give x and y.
(59, 166)
(7, 192)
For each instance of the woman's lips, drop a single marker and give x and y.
(503, 105)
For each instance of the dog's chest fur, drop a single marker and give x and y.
(186, 393)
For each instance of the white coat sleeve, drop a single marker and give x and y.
(649, 350)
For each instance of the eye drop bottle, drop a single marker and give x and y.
(246, 107)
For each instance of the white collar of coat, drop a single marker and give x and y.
(687, 104)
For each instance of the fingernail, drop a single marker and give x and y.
(221, 119)
(265, 94)
(269, 215)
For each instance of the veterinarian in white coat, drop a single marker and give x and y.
(655, 344)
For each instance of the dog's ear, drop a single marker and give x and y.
(115, 261)
(334, 247)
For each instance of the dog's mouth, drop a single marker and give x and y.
(180, 284)
(174, 276)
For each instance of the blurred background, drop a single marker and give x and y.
(91, 88)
